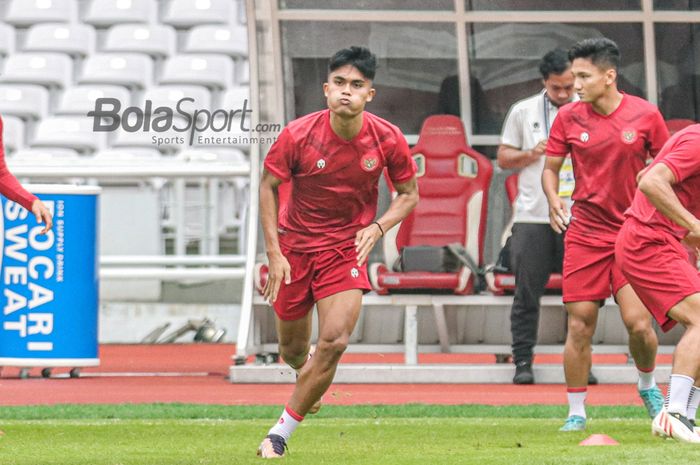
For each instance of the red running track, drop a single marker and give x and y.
(202, 380)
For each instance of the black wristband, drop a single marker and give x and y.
(380, 227)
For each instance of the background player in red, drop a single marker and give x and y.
(13, 190)
(610, 135)
(664, 215)
(318, 243)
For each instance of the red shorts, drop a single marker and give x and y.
(658, 268)
(316, 275)
(590, 272)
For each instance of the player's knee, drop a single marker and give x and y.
(333, 347)
(580, 330)
(294, 354)
(640, 329)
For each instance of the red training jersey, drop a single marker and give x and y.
(9, 186)
(334, 182)
(682, 156)
(607, 152)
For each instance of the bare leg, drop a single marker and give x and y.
(685, 358)
(294, 340)
(643, 342)
(583, 317)
(337, 316)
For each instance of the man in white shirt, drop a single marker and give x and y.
(536, 250)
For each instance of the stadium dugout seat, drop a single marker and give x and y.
(13, 133)
(171, 140)
(243, 73)
(157, 40)
(55, 156)
(79, 100)
(29, 12)
(46, 69)
(28, 102)
(453, 181)
(188, 13)
(234, 97)
(169, 96)
(103, 13)
(125, 69)
(7, 39)
(213, 71)
(504, 283)
(227, 40)
(74, 39)
(68, 132)
(675, 125)
(121, 157)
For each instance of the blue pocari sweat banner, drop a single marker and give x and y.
(50, 282)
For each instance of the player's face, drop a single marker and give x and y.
(560, 87)
(590, 81)
(347, 91)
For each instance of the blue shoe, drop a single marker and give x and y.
(574, 423)
(653, 400)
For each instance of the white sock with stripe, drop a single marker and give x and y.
(693, 402)
(679, 394)
(288, 422)
(577, 401)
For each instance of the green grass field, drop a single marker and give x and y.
(412, 434)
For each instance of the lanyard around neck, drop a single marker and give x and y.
(546, 114)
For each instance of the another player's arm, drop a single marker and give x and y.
(278, 265)
(657, 184)
(400, 207)
(510, 158)
(558, 212)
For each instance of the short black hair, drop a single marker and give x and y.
(359, 57)
(603, 52)
(554, 62)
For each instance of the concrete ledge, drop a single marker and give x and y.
(437, 374)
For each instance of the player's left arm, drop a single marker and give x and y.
(657, 184)
(400, 207)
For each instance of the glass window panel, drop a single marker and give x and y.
(678, 70)
(413, 61)
(586, 5)
(503, 61)
(683, 5)
(369, 4)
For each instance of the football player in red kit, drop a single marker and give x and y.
(610, 135)
(318, 242)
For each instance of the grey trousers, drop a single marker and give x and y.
(536, 252)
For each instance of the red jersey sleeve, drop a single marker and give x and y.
(556, 143)
(400, 164)
(280, 159)
(684, 159)
(9, 185)
(658, 134)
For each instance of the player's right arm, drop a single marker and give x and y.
(279, 268)
(657, 185)
(558, 212)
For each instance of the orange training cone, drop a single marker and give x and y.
(599, 440)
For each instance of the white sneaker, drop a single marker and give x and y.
(674, 425)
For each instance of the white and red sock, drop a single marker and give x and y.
(679, 394)
(288, 422)
(646, 378)
(577, 401)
